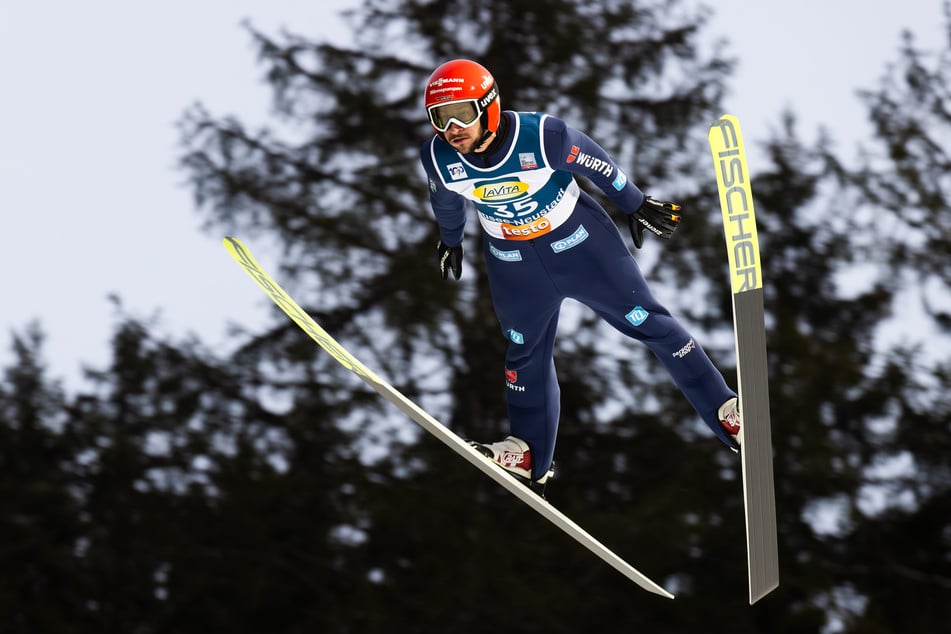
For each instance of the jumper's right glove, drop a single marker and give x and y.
(450, 259)
(659, 217)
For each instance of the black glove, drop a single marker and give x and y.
(658, 217)
(450, 258)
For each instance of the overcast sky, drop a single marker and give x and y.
(91, 203)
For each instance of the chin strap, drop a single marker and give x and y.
(487, 139)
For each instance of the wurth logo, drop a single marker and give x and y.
(595, 164)
(511, 378)
(573, 156)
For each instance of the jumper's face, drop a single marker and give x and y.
(460, 121)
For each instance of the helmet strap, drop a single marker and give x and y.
(484, 142)
(490, 138)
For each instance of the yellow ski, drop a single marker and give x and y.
(243, 257)
(746, 279)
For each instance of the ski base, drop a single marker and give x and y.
(757, 450)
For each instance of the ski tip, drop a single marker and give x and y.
(233, 245)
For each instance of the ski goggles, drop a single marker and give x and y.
(462, 113)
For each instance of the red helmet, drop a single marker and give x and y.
(462, 91)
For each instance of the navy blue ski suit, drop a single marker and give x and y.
(546, 240)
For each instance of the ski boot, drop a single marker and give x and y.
(515, 456)
(730, 419)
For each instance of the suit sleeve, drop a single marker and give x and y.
(449, 208)
(574, 151)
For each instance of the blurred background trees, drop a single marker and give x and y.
(270, 491)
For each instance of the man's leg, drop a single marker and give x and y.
(601, 273)
(527, 306)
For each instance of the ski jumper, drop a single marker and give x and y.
(545, 241)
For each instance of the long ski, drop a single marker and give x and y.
(756, 450)
(243, 256)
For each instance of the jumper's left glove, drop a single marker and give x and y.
(659, 217)
(450, 259)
